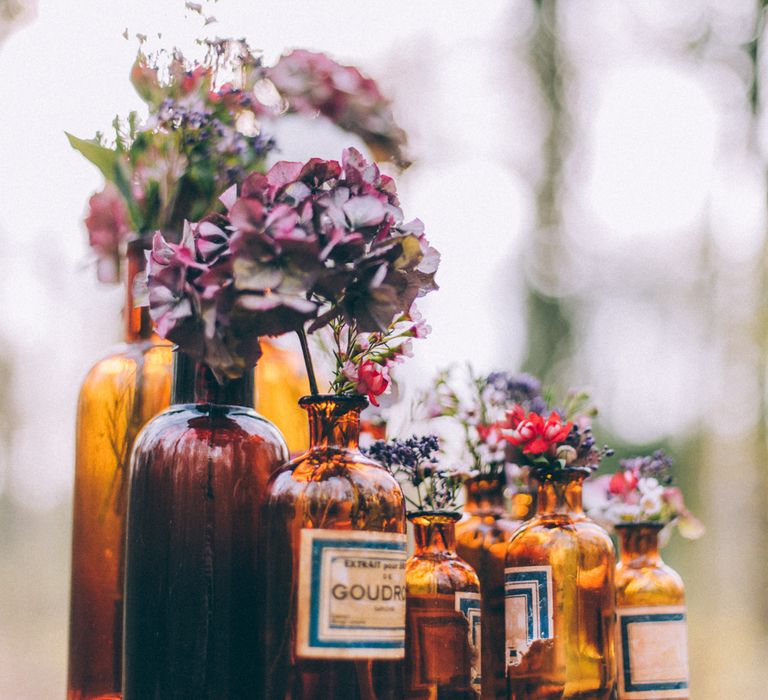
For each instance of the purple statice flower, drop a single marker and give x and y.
(414, 463)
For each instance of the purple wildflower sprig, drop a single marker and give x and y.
(302, 247)
(415, 463)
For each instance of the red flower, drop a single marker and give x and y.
(534, 434)
(623, 483)
(372, 379)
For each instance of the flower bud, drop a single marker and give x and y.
(567, 454)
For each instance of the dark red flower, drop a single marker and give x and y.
(372, 380)
(533, 434)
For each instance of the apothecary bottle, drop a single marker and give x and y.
(481, 540)
(443, 614)
(560, 598)
(197, 483)
(119, 395)
(335, 539)
(651, 632)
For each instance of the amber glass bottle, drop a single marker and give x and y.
(197, 482)
(120, 394)
(443, 616)
(651, 634)
(481, 539)
(560, 598)
(334, 537)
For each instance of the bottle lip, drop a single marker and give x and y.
(652, 524)
(447, 514)
(546, 474)
(349, 401)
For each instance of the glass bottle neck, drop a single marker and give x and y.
(560, 492)
(484, 495)
(334, 421)
(194, 382)
(434, 533)
(138, 324)
(639, 544)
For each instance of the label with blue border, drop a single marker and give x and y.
(468, 604)
(652, 648)
(351, 595)
(527, 608)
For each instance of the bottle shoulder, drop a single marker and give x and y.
(543, 535)
(334, 469)
(119, 365)
(650, 585)
(446, 574)
(211, 424)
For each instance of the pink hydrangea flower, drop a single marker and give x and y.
(108, 230)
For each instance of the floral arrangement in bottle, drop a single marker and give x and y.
(442, 590)
(641, 504)
(209, 126)
(304, 246)
(643, 490)
(497, 493)
(560, 558)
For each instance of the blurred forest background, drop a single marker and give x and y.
(595, 174)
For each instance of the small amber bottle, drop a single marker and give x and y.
(334, 595)
(443, 630)
(651, 633)
(481, 540)
(560, 598)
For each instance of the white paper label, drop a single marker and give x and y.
(527, 608)
(468, 604)
(351, 595)
(652, 649)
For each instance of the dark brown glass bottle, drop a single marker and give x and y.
(119, 395)
(443, 616)
(560, 598)
(651, 632)
(197, 483)
(481, 540)
(334, 537)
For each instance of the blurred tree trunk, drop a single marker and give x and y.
(550, 337)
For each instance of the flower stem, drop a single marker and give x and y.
(308, 361)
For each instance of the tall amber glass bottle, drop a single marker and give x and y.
(560, 598)
(197, 483)
(335, 541)
(443, 620)
(651, 633)
(481, 540)
(120, 394)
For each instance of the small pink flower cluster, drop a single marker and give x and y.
(365, 365)
(312, 82)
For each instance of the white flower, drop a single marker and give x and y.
(650, 503)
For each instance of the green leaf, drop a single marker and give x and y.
(105, 159)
